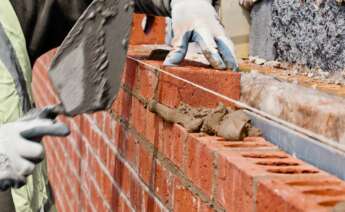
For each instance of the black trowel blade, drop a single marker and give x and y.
(86, 71)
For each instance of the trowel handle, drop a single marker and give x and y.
(55, 128)
(50, 112)
(57, 110)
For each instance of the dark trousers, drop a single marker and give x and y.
(6, 201)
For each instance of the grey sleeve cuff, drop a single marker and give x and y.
(153, 7)
(160, 7)
(216, 4)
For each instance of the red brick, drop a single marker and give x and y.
(99, 119)
(149, 204)
(129, 75)
(119, 136)
(102, 151)
(319, 194)
(110, 164)
(88, 207)
(146, 83)
(122, 177)
(146, 164)
(83, 200)
(238, 171)
(155, 175)
(95, 140)
(183, 199)
(86, 182)
(137, 116)
(97, 200)
(203, 207)
(172, 143)
(122, 206)
(109, 126)
(152, 127)
(115, 198)
(122, 105)
(173, 91)
(86, 128)
(200, 167)
(161, 183)
(75, 138)
(60, 206)
(155, 36)
(130, 150)
(135, 195)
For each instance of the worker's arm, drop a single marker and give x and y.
(46, 23)
(159, 7)
(247, 4)
(153, 7)
(194, 21)
(20, 149)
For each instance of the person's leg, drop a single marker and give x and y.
(261, 42)
(6, 201)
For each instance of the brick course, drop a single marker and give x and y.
(128, 159)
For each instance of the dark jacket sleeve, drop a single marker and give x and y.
(153, 7)
(160, 7)
(45, 23)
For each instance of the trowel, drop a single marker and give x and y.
(86, 71)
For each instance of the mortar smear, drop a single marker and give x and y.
(220, 121)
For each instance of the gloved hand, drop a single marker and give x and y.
(20, 149)
(247, 4)
(198, 21)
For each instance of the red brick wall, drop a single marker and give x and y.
(127, 158)
(155, 36)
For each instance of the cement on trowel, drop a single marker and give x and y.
(86, 72)
(220, 121)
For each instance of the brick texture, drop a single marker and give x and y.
(128, 159)
(155, 36)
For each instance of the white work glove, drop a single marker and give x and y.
(197, 21)
(20, 148)
(247, 4)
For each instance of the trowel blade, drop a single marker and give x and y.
(86, 71)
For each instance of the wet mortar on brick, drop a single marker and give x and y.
(293, 70)
(232, 125)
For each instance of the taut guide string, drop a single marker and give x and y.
(260, 113)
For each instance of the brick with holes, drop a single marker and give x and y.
(239, 172)
(304, 194)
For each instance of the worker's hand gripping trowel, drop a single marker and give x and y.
(86, 72)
